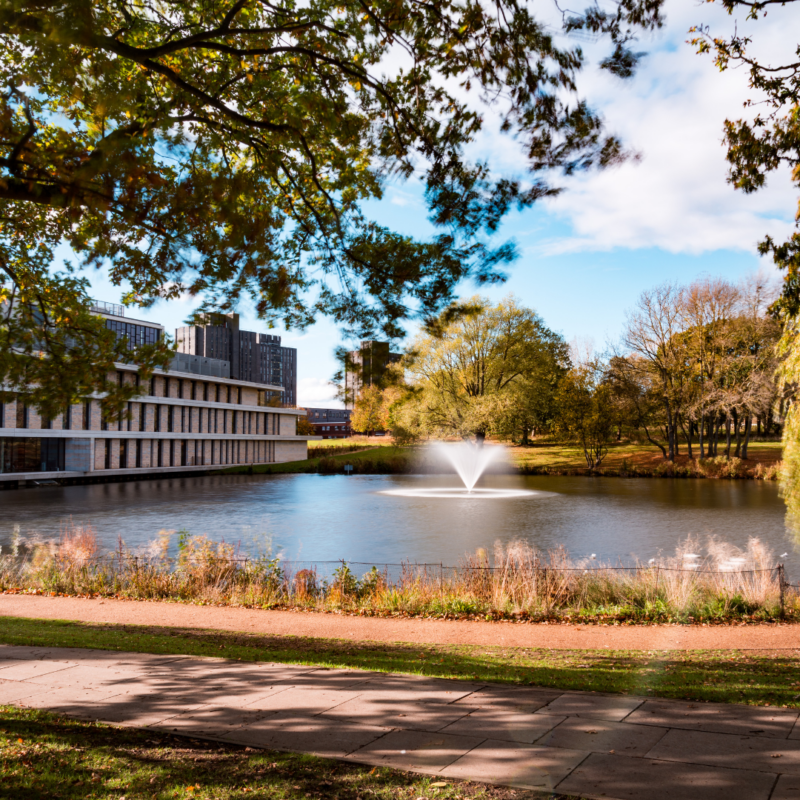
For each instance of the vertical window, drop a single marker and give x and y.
(120, 377)
(180, 388)
(138, 454)
(87, 415)
(183, 419)
(229, 395)
(142, 416)
(170, 419)
(216, 393)
(239, 401)
(153, 386)
(130, 416)
(194, 390)
(67, 422)
(233, 422)
(123, 453)
(205, 392)
(2, 424)
(157, 419)
(216, 420)
(224, 421)
(107, 445)
(47, 423)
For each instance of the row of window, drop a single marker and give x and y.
(175, 419)
(31, 455)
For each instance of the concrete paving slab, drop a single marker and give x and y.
(716, 717)
(303, 700)
(787, 788)
(141, 713)
(323, 738)
(86, 676)
(610, 707)
(216, 721)
(515, 699)
(11, 691)
(420, 688)
(602, 736)
(512, 764)
(57, 700)
(503, 725)
(795, 734)
(416, 750)
(625, 778)
(728, 750)
(25, 670)
(387, 711)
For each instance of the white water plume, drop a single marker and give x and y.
(469, 460)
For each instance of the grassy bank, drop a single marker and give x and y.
(46, 756)
(724, 676)
(623, 460)
(518, 582)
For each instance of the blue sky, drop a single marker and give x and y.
(587, 255)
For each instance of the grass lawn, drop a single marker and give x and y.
(46, 756)
(570, 456)
(381, 456)
(720, 676)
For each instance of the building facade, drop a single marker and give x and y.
(253, 357)
(366, 367)
(193, 417)
(330, 423)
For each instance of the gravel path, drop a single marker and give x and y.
(375, 629)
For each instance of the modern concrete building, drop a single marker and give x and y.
(193, 417)
(330, 423)
(367, 368)
(253, 357)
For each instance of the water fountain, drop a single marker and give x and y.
(470, 461)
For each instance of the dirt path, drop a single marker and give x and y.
(334, 626)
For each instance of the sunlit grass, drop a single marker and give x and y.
(754, 678)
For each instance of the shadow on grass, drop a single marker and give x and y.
(44, 756)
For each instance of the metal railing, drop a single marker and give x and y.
(115, 309)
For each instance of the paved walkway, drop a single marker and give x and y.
(380, 629)
(609, 746)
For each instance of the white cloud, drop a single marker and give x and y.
(317, 392)
(676, 196)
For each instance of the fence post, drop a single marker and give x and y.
(782, 585)
(657, 573)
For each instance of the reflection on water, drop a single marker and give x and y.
(313, 517)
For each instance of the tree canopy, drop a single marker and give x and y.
(491, 369)
(227, 149)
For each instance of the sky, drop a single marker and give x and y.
(586, 255)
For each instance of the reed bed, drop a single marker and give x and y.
(514, 581)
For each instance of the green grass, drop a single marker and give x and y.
(46, 756)
(379, 460)
(720, 676)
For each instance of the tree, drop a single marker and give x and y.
(369, 414)
(585, 410)
(226, 150)
(476, 370)
(304, 427)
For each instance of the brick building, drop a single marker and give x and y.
(330, 423)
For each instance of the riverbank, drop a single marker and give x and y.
(624, 460)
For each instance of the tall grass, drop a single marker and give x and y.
(515, 581)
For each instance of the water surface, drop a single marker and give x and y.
(320, 518)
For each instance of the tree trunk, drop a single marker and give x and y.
(480, 438)
(727, 437)
(737, 429)
(700, 433)
(758, 425)
(688, 435)
(747, 423)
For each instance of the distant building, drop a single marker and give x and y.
(367, 367)
(193, 417)
(330, 423)
(253, 357)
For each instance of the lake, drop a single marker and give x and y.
(325, 518)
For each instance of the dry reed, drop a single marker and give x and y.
(518, 581)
